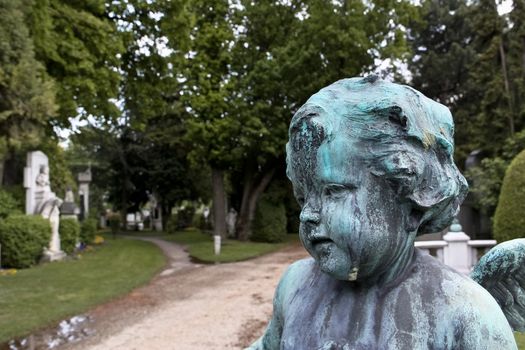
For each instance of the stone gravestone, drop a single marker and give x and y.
(40, 200)
(69, 209)
(371, 163)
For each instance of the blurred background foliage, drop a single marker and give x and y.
(162, 97)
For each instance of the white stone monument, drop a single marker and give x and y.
(155, 212)
(40, 200)
(231, 219)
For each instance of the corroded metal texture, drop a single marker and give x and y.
(371, 166)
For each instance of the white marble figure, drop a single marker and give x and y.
(40, 200)
(231, 219)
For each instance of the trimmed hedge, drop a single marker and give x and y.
(23, 239)
(88, 230)
(8, 204)
(509, 219)
(269, 224)
(69, 231)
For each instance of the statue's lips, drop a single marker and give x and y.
(320, 240)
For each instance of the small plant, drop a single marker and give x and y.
(8, 272)
(98, 240)
(69, 230)
(23, 239)
(88, 230)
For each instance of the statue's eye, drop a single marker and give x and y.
(337, 190)
(300, 200)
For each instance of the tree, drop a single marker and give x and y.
(285, 53)
(212, 128)
(80, 47)
(156, 35)
(27, 95)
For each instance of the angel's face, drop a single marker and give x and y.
(351, 221)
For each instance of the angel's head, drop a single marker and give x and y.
(372, 167)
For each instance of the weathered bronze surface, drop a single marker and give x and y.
(371, 164)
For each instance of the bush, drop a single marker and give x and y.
(69, 230)
(114, 223)
(509, 220)
(8, 204)
(171, 224)
(185, 217)
(88, 230)
(23, 239)
(269, 224)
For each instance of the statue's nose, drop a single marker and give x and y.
(310, 215)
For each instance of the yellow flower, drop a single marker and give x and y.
(98, 240)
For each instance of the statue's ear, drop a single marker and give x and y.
(438, 193)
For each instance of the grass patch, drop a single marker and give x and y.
(520, 340)
(38, 297)
(200, 246)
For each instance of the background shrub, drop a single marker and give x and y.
(69, 230)
(509, 220)
(171, 224)
(88, 230)
(23, 239)
(185, 217)
(269, 224)
(114, 220)
(8, 204)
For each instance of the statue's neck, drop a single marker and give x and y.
(397, 268)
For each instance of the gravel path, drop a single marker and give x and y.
(189, 306)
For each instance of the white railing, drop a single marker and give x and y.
(456, 249)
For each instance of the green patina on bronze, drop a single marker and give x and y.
(371, 165)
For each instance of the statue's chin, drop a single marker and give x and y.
(338, 265)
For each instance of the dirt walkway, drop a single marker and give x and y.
(188, 306)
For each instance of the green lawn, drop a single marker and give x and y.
(38, 297)
(200, 246)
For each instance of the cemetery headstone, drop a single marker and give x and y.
(40, 200)
(371, 163)
(69, 209)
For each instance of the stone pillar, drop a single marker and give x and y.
(457, 252)
(84, 178)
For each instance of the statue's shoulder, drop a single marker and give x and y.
(295, 276)
(463, 298)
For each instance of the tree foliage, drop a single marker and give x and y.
(27, 95)
(80, 47)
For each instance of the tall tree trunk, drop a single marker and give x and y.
(242, 217)
(507, 85)
(523, 57)
(219, 203)
(2, 167)
(244, 225)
